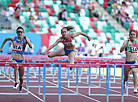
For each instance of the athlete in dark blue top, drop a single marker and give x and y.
(19, 44)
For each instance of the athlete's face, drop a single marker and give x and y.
(64, 32)
(20, 33)
(132, 36)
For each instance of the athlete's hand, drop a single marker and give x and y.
(1, 50)
(24, 37)
(45, 52)
(89, 38)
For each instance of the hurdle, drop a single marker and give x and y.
(70, 65)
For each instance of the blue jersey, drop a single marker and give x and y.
(18, 46)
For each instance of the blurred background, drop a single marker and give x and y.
(107, 22)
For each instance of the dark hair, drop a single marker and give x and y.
(131, 31)
(68, 28)
(19, 28)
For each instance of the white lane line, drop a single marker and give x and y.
(74, 92)
(28, 91)
(112, 89)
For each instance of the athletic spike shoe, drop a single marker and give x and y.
(15, 86)
(20, 89)
(135, 90)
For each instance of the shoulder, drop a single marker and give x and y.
(59, 39)
(10, 38)
(125, 41)
(71, 36)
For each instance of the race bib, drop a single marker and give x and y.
(133, 48)
(18, 47)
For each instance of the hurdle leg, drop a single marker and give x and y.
(79, 75)
(44, 82)
(77, 81)
(114, 74)
(9, 73)
(107, 83)
(122, 85)
(127, 88)
(59, 83)
(27, 76)
(99, 77)
(89, 90)
(68, 77)
(39, 79)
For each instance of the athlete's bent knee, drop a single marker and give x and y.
(49, 55)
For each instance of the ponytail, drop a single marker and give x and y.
(68, 28)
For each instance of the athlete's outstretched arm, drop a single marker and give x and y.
(80, 33)
(28, 42)
(124, 45)
(6, 39)
(51, 46)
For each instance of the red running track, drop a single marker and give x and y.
(81, 97)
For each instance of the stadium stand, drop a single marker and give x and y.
(125, 12)
(97, 29)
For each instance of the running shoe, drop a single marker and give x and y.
(20, 89)
(135, 90)
(15, 86)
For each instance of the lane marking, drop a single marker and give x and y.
(28, 91)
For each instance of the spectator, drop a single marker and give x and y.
(114, 6)
(31, 4)
(18, 8)
(96, 14)
(132, 19)
(92, 5)
(10, 49)
(84, 2)
(93, 50)
(42, 49)
(131, 2)
(26, 7)
(84, 5)
(127, 2)
(35, 17)
(31, 50)
(114, 12)
(40, 16)
(76, 10)
(81, 50)
(40, 5)
(71, 2)
(87, 50)
(7, 13)
(31, 17)
(91, 14)
(6, 20)
(26, 51)
(19, 3)
(99, 49)
(23, 8)
(62, 14)
(64, 2)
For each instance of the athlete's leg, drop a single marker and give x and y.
(15, 71)
(21, 73)
(59, 52)
(126, 74)
(134, 72)
(71, 56)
